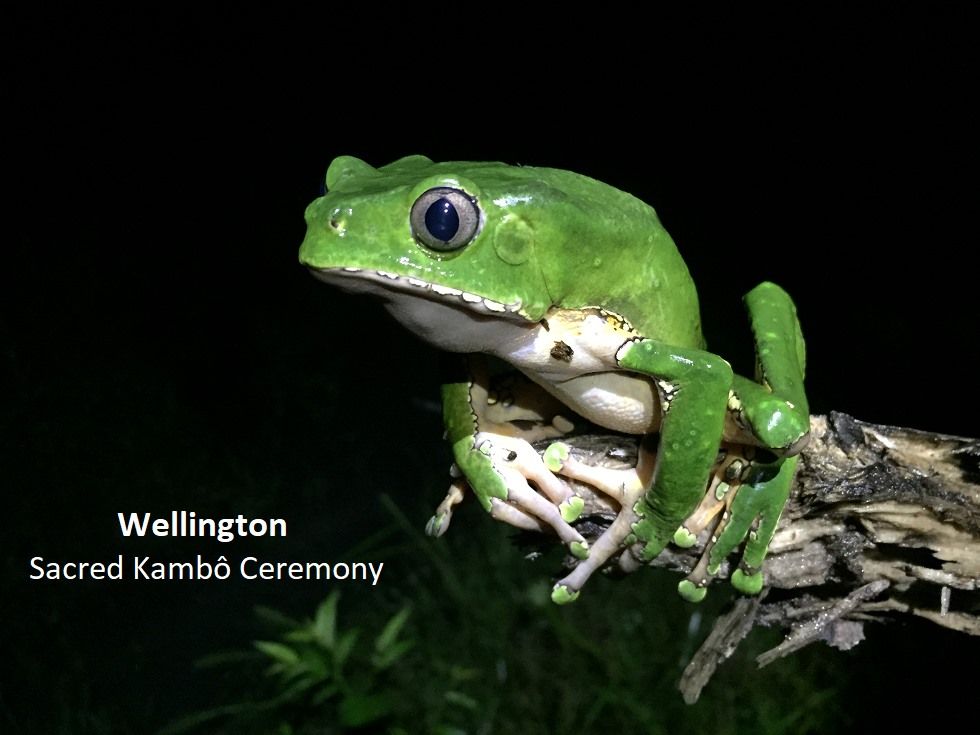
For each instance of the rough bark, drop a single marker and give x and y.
(882, 521)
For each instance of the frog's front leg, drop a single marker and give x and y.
(693, 386)
(624, 486)
(500, 464)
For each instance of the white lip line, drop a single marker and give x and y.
(469, 299)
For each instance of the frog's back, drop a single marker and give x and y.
(593, 244)
(599, 246)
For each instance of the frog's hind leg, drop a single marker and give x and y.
(751, 510)
(776, 413)
(759, 501)
(498, 462)
(715, 513)
(774, 409)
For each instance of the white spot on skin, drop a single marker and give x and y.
(445, 290)
(445, 322)
(510, 201)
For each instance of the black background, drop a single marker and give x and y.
(155, 318)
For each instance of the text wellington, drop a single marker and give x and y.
(182, 523)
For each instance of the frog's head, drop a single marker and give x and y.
(446, 246)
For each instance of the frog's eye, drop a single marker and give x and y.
(445, 219)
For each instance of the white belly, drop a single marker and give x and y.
(618, 401)
(572, 356)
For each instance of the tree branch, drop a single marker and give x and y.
(882, 521)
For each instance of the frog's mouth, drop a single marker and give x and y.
(386, 285)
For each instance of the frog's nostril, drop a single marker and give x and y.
(338, 220)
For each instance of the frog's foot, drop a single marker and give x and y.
(714, 512)
(694, 586)
(612, 540)
(617, 484)
(755, 514)
(517, 463)
(627, 487)
(500, 510)
(439, 523)
(751, 510)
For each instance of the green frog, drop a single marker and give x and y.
(577, 287)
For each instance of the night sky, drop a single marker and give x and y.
(161, 344)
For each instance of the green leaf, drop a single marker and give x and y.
(275, 669)
(344, 647)
(461, 700)
(324, 694)
(278, 652)
(361, 709)
(300, 635)
(276, 619)
(315, 663)
(384, 659)
(387, 636)
(297, 690)
(325, 621)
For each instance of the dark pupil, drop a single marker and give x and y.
(442, 220)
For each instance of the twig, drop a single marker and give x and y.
(882, 521)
